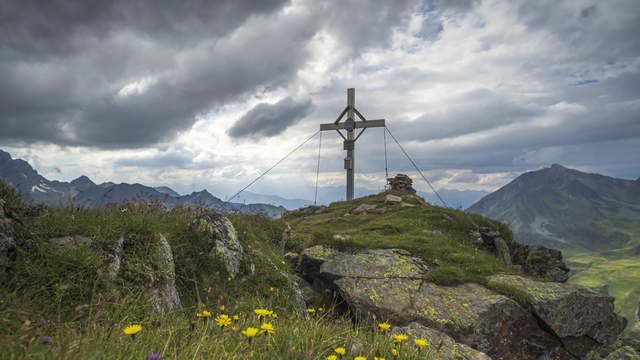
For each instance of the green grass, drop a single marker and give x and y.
(62, 293)
(438, 235)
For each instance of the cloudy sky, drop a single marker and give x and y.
(208, 94)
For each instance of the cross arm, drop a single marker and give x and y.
(356, 125)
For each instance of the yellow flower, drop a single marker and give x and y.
(400, 338)
(359, 358)
(384, 326)
(311, 310)
(340, 350)
(221, 307)
(132, 330)
(262, 313)
(378, 358)
(320, 309)
(267, 328)
(271, 289)
(274, 315)
(236, 317)
(229, 278)
(420, 343)
(203, 314)
(223, 320)
(250, 332)
(394, 352)
(331, 357)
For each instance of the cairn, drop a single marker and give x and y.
(401, 182)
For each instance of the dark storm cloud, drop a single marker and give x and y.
(115, 74)
(266, 120)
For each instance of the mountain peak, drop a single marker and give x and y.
(82, 180)
(558, 167)
(5, 156)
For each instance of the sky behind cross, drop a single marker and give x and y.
(208, 94)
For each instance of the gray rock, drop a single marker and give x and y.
(441, 345)
(362, 208)
(286, 234)
(116, 259)
(163, 294)
(390, 284)
(292, 258)
(392, 198)
(223, 237)
(297, 293)
(503, 251)
(569, 310)
(404, 204)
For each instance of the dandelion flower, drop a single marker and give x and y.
(331, 357)
(229, 278)
(378, 358)
(394, 352)
(236, 317)
(400, 338)
(223, 320)
(274, 315)
(271, 289)
(340, 350)
(132, 330)
(310, 310)
(221, 307)
(384, 326)
(320, 309)
(421, 344)
(359, 358)
(250, 332)
(204, 314)
(267, 328)
(263, 313)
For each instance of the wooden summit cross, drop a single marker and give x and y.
(349, 124)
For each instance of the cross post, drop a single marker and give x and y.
(350, 124)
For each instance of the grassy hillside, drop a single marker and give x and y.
(58, 304)
(438, 235)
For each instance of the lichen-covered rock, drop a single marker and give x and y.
(223, 238)
(163, 293)
(567, 309)
(363, 208)
(440, 345)
(390, 284)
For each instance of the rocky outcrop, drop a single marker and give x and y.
(391, 284)
(7, 242)
(582, 318)
(533, 260)
(223, 238)
(441, 345)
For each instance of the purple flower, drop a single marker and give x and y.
(45, 340)
(154, 356)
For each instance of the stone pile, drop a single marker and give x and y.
(401, 182)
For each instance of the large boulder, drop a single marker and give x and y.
(581, 317)
(441, 345)
(391, 284)
(225, 244)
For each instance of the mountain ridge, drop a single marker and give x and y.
(82, 191)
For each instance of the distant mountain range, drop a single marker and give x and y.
(593, 219)
(565, 208)
(84, 192)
